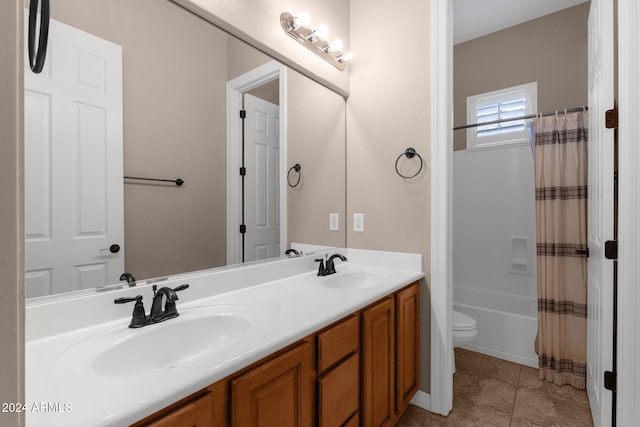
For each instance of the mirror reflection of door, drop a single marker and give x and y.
(261, 196)
(73, 165)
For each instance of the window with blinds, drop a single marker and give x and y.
(495, 108)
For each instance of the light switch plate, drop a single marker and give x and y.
(358, 222)
(334, 222)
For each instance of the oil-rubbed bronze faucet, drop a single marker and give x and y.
(293, 253)
(158, 313)
(330, 267)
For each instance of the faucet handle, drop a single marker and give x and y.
(181, 287)
(139, 318)
(321, 270)
(137, 298)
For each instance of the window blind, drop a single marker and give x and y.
(504, 109)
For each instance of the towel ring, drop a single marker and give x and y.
(410, 153)
(37, 57)
(295, 168)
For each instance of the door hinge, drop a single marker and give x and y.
(243, 114)
(243, 171)
(243, 229)
(611, 118)
(610, 380)
(611, 249)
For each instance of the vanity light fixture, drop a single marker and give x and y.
(315, 40)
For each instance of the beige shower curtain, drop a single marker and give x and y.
(561, 233)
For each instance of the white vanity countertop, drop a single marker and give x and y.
(64, 391)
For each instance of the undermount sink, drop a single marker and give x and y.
(195, 334)
(353, 279)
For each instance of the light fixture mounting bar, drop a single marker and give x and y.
(317, 45)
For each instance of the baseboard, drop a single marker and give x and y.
(526, 361)
(422, 400)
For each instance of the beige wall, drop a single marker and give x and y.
(174, 127)
(551, 50)
(388, 111)
(316, 140)
(258, 22)
(269, 92)
(11, 214)
(242, 58)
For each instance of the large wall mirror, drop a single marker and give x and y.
(139, 89)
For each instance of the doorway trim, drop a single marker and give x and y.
(628, 377)
(265, 73)
(628, 412)
(441, 206)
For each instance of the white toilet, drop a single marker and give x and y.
(464, 331)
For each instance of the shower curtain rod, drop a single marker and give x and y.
(530, 116)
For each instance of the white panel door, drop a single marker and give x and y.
(73, 164)
(600, 211)
(262, 187)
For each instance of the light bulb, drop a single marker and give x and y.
(302, 19)
(336, 45)
(346, 57)
(322, 31)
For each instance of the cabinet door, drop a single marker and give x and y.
(407, 344)
(338, 396)
(277, 393)
(378, 364)
(195, 414)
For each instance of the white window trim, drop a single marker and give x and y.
(504, 140)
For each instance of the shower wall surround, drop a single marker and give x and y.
(494, 263)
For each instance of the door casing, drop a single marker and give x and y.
(440, 398)
(265, 73)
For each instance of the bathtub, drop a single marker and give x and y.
(507, 323)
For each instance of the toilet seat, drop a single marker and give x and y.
(462, 322)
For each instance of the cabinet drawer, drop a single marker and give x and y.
(338, 342)
(338, 395)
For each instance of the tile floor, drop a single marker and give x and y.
(493, 392)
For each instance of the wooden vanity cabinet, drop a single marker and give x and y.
(407, 345)
(359, 371)
(198, 413)
(378, 364)
(278, 393)
(390, 361)
(338, 384)
(196, 410)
